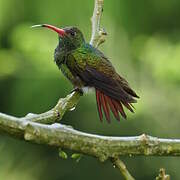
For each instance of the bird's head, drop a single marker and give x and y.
(70, 37)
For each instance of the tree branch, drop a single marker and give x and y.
(55, 114)
(122, 167)
(102, 147)
(98, 34)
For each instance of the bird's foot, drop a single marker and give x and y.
(78, 90)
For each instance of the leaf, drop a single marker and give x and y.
(77, 157)
(62, 154)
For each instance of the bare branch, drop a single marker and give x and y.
(98, 33)
(122, 168)
(162, 175)
(102, 147)
(55, 114)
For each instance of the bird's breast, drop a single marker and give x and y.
(59, 55)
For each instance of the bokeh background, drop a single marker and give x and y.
(144, 45)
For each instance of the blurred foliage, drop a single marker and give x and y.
(143, 43)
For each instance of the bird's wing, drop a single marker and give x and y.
(93, 68)
(97, 71)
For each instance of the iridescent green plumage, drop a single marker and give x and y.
(86, 66)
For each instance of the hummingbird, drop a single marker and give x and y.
(87, 67)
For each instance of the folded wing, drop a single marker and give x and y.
(112, 91)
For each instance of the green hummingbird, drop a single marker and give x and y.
(87, 67)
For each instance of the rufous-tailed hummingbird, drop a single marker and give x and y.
(87, 67)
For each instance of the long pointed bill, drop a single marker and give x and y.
(61, 32)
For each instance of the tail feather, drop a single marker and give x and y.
(98, 99)
(121, 110)
(113, 108)
(106, 103)
(128, 106)
(105, 107)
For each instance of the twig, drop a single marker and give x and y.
(122, 168)
(98, 34)
(162, 175)
(55, 114)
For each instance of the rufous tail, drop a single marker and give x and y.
(106, 104)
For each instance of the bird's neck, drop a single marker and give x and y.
(60, 55)
(63, 50)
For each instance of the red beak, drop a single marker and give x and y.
(61, 32)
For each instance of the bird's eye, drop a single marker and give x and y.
(73, 33)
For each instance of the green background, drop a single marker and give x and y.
(143, 43)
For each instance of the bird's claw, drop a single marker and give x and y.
(78, 90)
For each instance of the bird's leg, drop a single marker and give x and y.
(77, 89)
